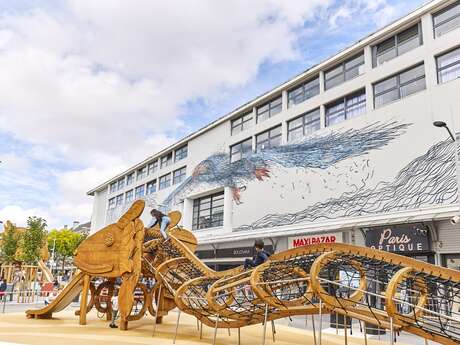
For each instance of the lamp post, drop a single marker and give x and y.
(442, 124)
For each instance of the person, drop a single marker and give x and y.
(51, 296)
(55, 283)
(114, 302)
(3, 286)
(260, 255)
(160, 218)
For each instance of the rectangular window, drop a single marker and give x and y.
(304, 125)
(346, 108)
(303, 92)
(347, 70)
(129, 179)
(447, 19)
(268, 139)
(119, 200)
(242, 123)
(111, 203)
(140, 191)
(152, 167)
(129, 195)
(208, 212)
(397, 45)
(448, 66)
(179, 175)
(121, 183)
(151, 187)
(269, 109)
(181, 153)
(240, 150)
(141, 173)
(399, 86)
(166, 160)
(165, 181)
(113, 187)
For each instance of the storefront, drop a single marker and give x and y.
(306, 240)
(413, 240)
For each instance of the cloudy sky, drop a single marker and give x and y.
(88, 88)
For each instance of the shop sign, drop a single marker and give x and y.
(405, 238)
(239, 252)
(306, 240)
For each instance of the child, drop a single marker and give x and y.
(160, 218)
(51, 297)
(114, 302)
(260, 255)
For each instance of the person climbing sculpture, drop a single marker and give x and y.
(260, 255)
(161, 219)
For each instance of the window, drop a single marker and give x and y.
(268, 139)
(208, 212)
(397, 45)
(152, 167)
(166, 160)
(448, 66)
(151, 187)
(119, 200)
(345, 71)
(346, 108)
(113, 187)
(179, 175)
(447, 19)
(129, 179)
(165, 181)
(181, 153)
(111, 203)
(268, 110)
(303, 92)
(241, 123)
(141, 173)
(240, 150)
(399, 86)
(140, 191)
(129, 196)
(303, 125)
(121, 183)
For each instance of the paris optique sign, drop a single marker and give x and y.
(406, 238)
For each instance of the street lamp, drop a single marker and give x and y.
(442, 124)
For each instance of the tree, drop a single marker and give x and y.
(9, 243)
(64, 242)
(32, 240)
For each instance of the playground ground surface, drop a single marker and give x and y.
(64, 329)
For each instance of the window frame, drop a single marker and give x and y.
(152, 167)
(130, 179)
(139, 188)
(121, 183)
(198, 209)
(441, 11)
(180, 150)
(129, 193)
(304, 93)
(117, 198)
(270, 138)
(151, 183)
(346, 107)
(270, 108)
(242, 154)
(344, 70)
(304, 123)
(243, 122)
(167, 162)
(398, 84)
(182, 175)
(141, 173)
(113, 187)
(111, 203)
(162, 186)
(438, 69)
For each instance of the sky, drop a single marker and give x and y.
(89, 88)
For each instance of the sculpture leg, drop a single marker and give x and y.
(84, 299)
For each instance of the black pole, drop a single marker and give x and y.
(441, 124)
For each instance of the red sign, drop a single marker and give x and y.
(300, 241)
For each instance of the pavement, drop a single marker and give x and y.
(16, 329)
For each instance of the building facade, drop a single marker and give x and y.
(344, 152)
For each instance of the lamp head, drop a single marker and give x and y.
(439, 124)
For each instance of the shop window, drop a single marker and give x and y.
(208, 211)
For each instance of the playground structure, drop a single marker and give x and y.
(386, 290)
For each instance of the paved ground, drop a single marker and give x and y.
(64, 329)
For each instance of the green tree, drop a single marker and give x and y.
(32, 240)
(64, 242)
(9, 244)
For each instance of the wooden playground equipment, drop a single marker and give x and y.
(386, 290)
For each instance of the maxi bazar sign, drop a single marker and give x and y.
(306, 240)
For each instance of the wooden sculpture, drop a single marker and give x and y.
(379, 288)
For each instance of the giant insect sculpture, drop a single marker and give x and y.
(387, 290)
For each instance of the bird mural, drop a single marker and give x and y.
(321, 152)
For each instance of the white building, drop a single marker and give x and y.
(346, 151)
